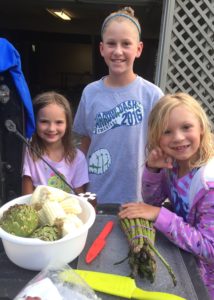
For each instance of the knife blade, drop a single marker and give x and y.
(121, 286)
(99, 242)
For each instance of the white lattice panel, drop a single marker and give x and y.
(189, 65)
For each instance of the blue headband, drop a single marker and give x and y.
(120, 15)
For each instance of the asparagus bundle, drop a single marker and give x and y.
(140, 234)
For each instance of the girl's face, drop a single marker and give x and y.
(51, 123)
(120, 47)
(181, 139)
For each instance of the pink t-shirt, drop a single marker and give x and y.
(75, 173)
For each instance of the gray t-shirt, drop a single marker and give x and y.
(116, 120)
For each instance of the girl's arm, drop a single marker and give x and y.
(85, 143)
(197, 238)
(81, 189)
(154, 180)
(153, 192)
(80, 173)
(154, 187)
(27, 185)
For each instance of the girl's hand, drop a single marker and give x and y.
(157, 159)
(139, 210)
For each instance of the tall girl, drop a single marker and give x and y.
(53, 141)
(113, 113)
(179, 167)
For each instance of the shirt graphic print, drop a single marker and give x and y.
(127, 113)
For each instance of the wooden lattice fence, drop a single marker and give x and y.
(186, 51)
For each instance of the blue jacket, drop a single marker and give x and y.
(10, 62)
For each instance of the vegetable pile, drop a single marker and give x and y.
(140, 234)
(50, 215)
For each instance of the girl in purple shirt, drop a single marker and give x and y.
(179, 167)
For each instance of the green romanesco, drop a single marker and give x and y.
(20, 220)
(47, 233)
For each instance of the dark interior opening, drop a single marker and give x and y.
(64, 57)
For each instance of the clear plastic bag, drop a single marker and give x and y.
(57, 283)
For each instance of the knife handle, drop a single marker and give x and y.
(106, 230)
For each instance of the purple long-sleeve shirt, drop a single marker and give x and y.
(191, 225)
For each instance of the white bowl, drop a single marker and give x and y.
(35, 254)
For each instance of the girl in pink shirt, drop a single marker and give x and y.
(53, 142)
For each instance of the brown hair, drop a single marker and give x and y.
(41, 101)
(158, 122)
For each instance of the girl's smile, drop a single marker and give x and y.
(181, 148)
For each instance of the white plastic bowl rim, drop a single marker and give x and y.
(34, 241)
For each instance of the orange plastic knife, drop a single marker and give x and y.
(99, 242)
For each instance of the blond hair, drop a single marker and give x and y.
(158, 122)
(127, 13)
(41, 101)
